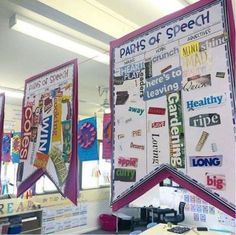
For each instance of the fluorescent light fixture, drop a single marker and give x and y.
(56, 38)
(13, 93)
(107, 110)
(29, 219)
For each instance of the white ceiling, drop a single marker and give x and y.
(22, 57)
(95, 21)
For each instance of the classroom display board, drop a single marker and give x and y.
(49, 120)
(173, 99)
(63, 217)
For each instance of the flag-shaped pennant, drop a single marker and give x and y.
(2, 106)
(15, 147)
(6, 147)
(49, 121)
(107, 136)
(87, 139)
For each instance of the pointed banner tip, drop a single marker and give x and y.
(29, 182)
(165, 171)
(73, 200)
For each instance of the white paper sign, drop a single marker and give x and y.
(173, 100)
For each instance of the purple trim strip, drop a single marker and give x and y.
(160, 176)
(141, 190)
(230, 17)
(26, 184)
(71, 183)
(49, 71)
(112, 120)
(1, 126)
(132, 196)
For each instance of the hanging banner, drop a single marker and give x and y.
(15, 147)
(107, 136)
(87, 139)
(49, 121)
(2, 108)
(6, 147)
(173, 100)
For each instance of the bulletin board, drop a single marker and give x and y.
(49, 121)
(173, 99)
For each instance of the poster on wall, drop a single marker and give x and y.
(2, 107)
(6, 147)
(87, 139)
(49, 120)
(173, 99)
(15, 147)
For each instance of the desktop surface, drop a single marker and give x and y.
(162, 229)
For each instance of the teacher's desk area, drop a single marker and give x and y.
(162, 229)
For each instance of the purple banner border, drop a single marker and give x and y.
(2, 95)
(182, 181)
(165, 19)
(71, 191)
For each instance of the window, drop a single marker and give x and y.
(45, 185)
(8, 181)
(8, 177)
(95, 174)
(166, 182)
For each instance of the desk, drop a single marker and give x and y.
(31, 221)
(161, 229)
(160, 212)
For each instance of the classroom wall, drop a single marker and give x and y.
(66, 218)
(12, 120)
(59, 214)
(150, 198)
(197, 212)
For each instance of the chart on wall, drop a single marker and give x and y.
(173, 99)
(49, 120)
